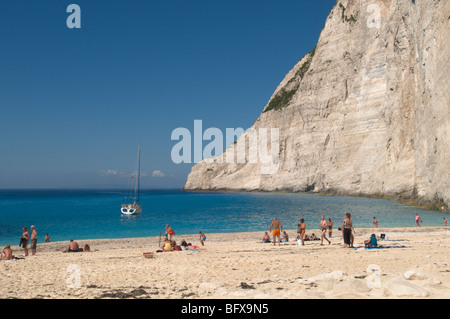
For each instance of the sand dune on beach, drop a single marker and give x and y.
(235, 265)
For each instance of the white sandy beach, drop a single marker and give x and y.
(235, 266)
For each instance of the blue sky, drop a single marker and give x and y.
(75, 103)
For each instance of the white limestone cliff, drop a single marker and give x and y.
(366, 113)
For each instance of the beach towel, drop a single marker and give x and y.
(379, 247)
(386, 247)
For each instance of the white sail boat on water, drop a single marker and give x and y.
(131, 206)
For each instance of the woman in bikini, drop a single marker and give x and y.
(202, 238)
(169, 232)
(26, 239)
(375, 222)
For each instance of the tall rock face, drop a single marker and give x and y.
(365, 113)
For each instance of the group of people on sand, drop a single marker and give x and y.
(276, 228)
(25, 240)
(348, 232)
(170, 244)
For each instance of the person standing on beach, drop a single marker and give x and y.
(418, 220)
(277, 228)
(330, 227)
(26, 238)
(445, 221)
(323, 229)
(169, 232)
(347, 228)
(202, 238)
(302, 227)
(33, 240)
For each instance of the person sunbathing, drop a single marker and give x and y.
(73, 247)
(285, 237)
(195, 248)
(7, 253)
(266, 238)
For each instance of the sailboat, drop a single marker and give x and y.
(132, 206)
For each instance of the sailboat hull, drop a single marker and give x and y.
(133, 209)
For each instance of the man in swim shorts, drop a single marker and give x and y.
(33, 240)
(276, 228)
(73, 246)
(323, 228)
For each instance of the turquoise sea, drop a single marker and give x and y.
(93, 214)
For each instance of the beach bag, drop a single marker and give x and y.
(299, 242)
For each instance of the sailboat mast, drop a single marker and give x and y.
(138, 180)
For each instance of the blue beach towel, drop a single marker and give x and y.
(379, 247)
(386, 247)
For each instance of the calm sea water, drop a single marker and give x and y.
(93, 214)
